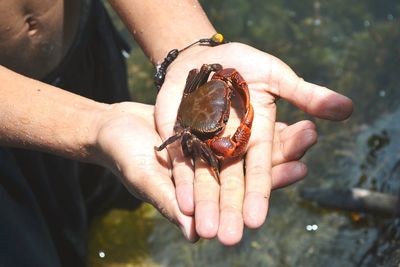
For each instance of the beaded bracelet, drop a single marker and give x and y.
(161, 69)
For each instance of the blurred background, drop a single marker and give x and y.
(350, 46)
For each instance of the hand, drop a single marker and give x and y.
(126, 141)
(222, 210)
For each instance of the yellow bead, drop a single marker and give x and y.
(217, 38)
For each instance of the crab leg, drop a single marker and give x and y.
(201, 150)
(227, 147)
(197, 78)
(169, 141)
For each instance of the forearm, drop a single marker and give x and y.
(38, 116)
(160, 26)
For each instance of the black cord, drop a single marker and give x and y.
(161, 70)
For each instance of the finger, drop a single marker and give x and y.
(183, 173)
(184, 194)
(258, 186)
(206, 197)
(279, 126)
(258, 169)
(291, 142)
(182, 167)
(288, 173)
(316, 100)
(231, 226)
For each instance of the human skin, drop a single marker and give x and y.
(38, 116)
(242, 198)
(36, 34)
(120, 137)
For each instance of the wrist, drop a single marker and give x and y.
(160, 26)
(38, 116)
(190, 59)
(179, 42)
(91, 119)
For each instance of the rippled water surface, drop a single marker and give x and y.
(350, 46)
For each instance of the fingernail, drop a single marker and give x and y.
(300, 170)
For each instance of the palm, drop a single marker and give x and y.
(238, 199)
(258, 70)
(128, 138)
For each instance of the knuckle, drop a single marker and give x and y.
(259, 171)
(259, 193)
(233, 183)
(232, 207)
(232, 202)
(204, 177)
(232, 193)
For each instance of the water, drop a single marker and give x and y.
(349, 46)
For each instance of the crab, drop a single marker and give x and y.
(204, 112)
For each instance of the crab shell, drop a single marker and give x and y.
(206, 110)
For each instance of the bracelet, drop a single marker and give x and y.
(161, 69)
